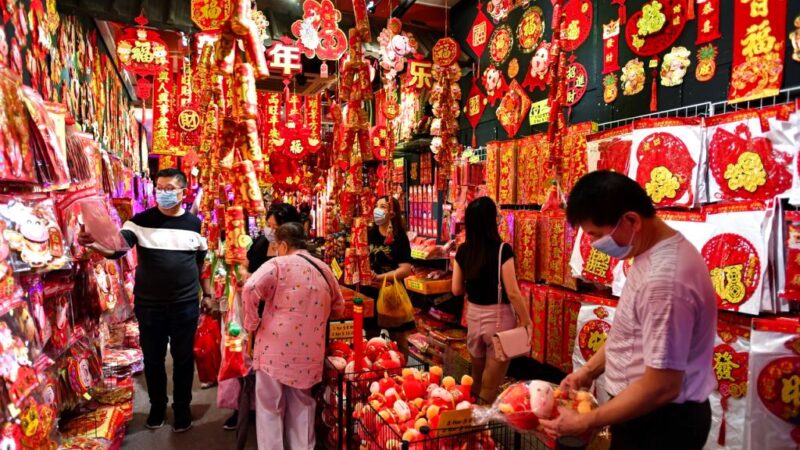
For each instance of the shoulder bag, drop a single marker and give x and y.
(511, 343)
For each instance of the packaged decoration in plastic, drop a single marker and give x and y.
(49, 156)
(539, 319)
(737, 255)
(38, 419)
(235, 363)
(98, 222)
(532, 169)
(610, 150)
(729, 399)
(508, 173)
(17, 162)
(16, 365)
(492, 170)
(506, 226)
(32, 233)
(523, 404)
(773, 409)
(526, 226)
(81, 167)
(666, 160)
(792, 260)
(743, 162)
(207, 348)
(557, 240)
(595, 318)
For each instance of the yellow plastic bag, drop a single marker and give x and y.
(394, 306)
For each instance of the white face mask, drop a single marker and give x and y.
(609, 246)
(269, 233)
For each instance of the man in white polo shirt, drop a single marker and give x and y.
(657, 358)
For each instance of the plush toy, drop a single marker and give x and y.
(542, 399)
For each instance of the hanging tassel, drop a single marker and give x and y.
(623, 13)
(654, 86)
(474, 138)
(389, 235)
(690, 10)
(723, 422)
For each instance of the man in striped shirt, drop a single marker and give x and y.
(170, 254)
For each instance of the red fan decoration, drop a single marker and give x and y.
(747, 168)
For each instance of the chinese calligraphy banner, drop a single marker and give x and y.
(162, 113)
(270, 104)
(313, 112)
(611, 47)
(758, 49)
(707, 21)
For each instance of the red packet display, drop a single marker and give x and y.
(508, 173)
(556, 298)
(594, 322)
(737, 255)
(52, 166)
(666, 158)
(506, 226)
(792, 248)
(526, 226)
(532, 171)
(773, 412)
(743, 163)
(492, 174)
(539, 317)
(610, 150)
(573, 157)
(572, 307)
(729, 399)
(555, 248)
(17, 166)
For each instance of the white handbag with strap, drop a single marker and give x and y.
(511, 343)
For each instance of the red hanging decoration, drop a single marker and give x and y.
(318, 32)
(656, 27)
(759, 43)
(476, 104)
(611, 47)
(479, 34)
(141, 51)
(501, 44)
(707, 21)
(513, 109)
(576, 81)
(735, 269)
(537, 76)
(623, 14)
(578, 16)
(495, 84)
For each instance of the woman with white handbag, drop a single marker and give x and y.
(498, 323)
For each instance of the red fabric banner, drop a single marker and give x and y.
(707, 21)
(759, 43)
(162, 112)
(313, 111)
(611, 47)
(270, 103)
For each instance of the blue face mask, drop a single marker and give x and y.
(609, 246)
(167, 199)
(379, 215)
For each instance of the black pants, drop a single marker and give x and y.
(674, 426)
(175, 324)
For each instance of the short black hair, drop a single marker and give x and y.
(293, 234)
(173, 173)
(283, 213)
(604, 196)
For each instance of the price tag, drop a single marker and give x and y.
(539, 113)
(454, 422)
(341, 330)
(337, 271)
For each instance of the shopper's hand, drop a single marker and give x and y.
(568, 423)
(85, 239)
(580, 379)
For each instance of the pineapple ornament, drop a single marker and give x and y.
(706, 62)
(610, 88)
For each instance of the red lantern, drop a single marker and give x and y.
(141, 51)
(144, 88)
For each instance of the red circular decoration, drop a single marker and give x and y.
(501, 44)
(652, 42)
(445, 52)
(772, 388)
(577, 80)
(530, 29)
(747, 168)
(144, 88)
(592, 336)
(578, 21)
(664, 158)
(735, 269)
(142, 51)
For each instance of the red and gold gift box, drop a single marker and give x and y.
(572, 307)
(554, 327)
(492, 173)
(507, 183)
(532, 173)
(539, 319)
(556, 239)
(526, 226)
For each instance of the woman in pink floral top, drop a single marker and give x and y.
(299, 293)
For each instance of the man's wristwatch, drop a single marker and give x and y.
(205, 296)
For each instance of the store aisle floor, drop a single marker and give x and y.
(207, 432)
